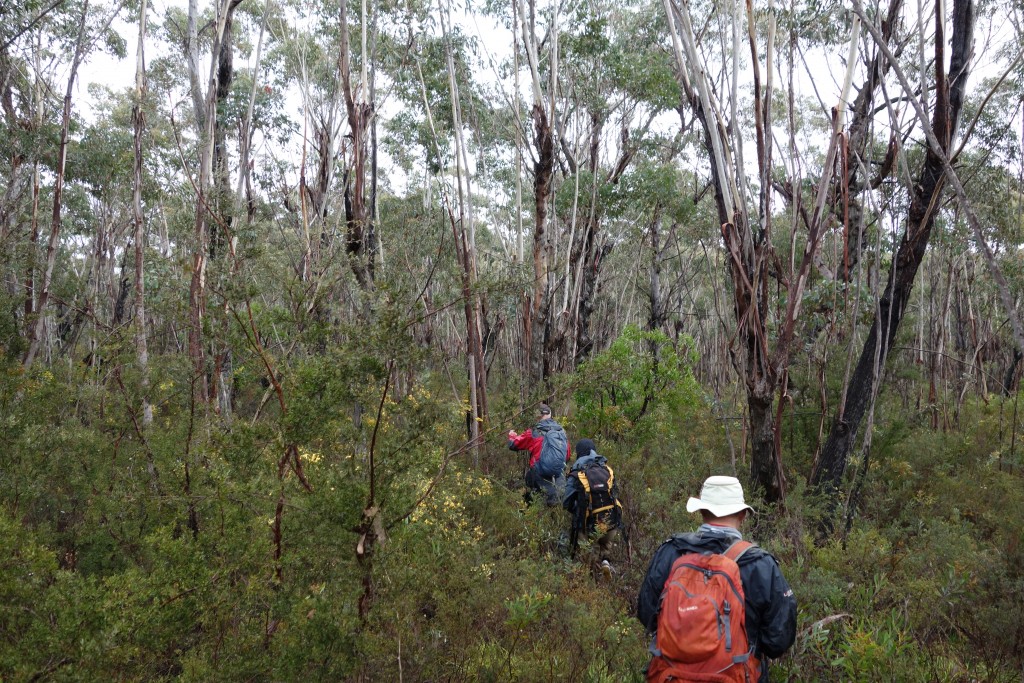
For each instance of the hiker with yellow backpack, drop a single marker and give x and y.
(718, 606)
(591, 498)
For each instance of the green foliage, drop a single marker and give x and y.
(922, 588)
(631, 386)
(104, 574)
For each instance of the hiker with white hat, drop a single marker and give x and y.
(714, 604)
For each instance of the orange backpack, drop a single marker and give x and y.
(702, 633)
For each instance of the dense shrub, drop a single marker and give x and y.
(121, 564)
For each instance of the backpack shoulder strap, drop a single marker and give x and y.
(737, 549)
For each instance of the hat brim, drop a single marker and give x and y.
(718, 510)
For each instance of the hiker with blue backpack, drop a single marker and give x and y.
(718, 606)
(548, 446)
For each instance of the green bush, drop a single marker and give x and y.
(118, 564)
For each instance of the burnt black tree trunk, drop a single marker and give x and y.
(863, 109)
(949, 94)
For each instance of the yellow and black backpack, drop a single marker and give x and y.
(599, 509)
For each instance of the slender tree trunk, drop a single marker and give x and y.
(359, 113)
(466, 254)
(519, 136)
(33, 252)
(543, 172)
(222, 230)
(374, 246)
(204, 206)
(197, 294)
(138, 125)
(594, 247)
(658, 309)
(534, 312)
(938, 355)
(36, 329)
(192, 58)
(828, 475)
(197, 286)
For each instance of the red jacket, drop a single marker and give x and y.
(528, 442)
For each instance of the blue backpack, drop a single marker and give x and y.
(552, 450)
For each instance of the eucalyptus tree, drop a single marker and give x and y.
(325, 56)
(542, 112)
(24, 114)
(597, 82)
(208, 96)
(709, 76)
(993, 169)
(360, 237)
(138, 126)
(618, 76)
(950, 87)
(40, 42)
(229, 108)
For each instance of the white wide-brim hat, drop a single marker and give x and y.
(721, 496)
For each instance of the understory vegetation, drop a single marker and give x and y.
(136, 559)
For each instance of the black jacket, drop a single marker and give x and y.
(771, 607)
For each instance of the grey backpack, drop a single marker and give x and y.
(552, 450)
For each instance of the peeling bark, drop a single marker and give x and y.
(949, 94)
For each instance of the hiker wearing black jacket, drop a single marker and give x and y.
(592, 501)
(770, 604)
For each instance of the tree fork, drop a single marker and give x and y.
(828, 475)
